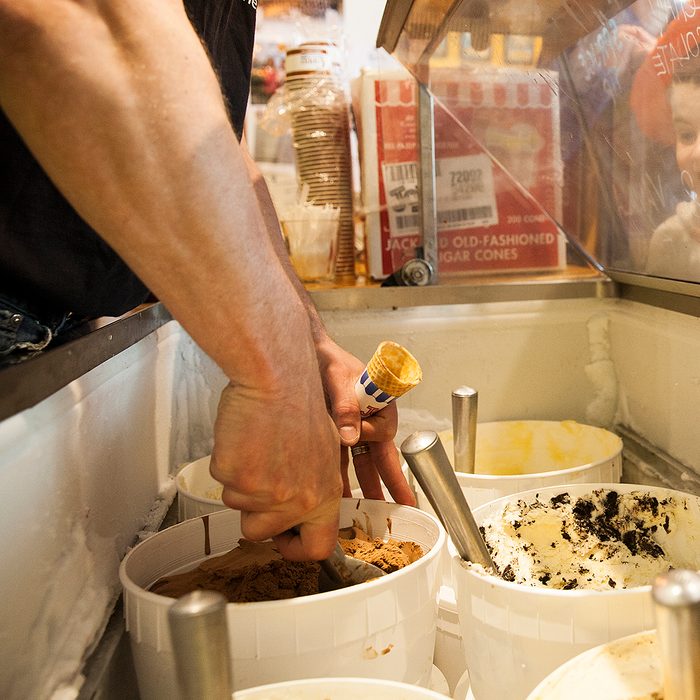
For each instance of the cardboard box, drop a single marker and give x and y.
(498, 170)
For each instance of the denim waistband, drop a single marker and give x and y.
(24, 334)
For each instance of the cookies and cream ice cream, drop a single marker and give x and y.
(600, 541)
(256, 571)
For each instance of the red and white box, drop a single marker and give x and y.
(498, 171)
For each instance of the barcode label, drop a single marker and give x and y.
(400, 172)
(460, 204)
(405, 172)
(407, 221)
(453, 216)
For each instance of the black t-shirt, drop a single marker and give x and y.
(50, 259)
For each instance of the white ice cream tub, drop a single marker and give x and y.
(519, 455)
(198, 493)
(338, 689)
(624, 669)
(381, 629)
(515, 635)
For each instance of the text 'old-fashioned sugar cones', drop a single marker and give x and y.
(390, 373)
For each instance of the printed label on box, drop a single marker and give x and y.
(498, 173)
(466, 195)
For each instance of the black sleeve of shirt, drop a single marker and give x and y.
(227, 29)
(52, 260)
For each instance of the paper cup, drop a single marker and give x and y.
(338, 689)
(390, 373)
(530, 631)
(625, 669)
(312, 245)
(383, 629)
(198, 493)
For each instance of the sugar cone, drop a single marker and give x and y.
(393, 369)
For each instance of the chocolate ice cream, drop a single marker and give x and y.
(256, 571)
(252, 571)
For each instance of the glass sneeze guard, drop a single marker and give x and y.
(553, 121)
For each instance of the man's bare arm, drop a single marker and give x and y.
(339, 371)
(118, 102)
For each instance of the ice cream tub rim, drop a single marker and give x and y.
(358, 589)
(553, 473)
(371, 685)
(549, 473)
(540, 691)
(497, 582)
(187, 493)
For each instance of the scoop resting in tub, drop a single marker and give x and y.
(255, 571)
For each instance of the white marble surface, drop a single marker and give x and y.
(80, 474)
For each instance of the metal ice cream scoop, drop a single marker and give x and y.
(339, 570)
(200, 645)
(464, 409)
(427, 459)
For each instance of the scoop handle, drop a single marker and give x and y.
(676, 597)
(427, 459)
(200, 644)
(465, 401)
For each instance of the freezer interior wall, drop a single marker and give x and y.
(90, 468)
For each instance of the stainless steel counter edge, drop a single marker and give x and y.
(362, 298)
(26, 384)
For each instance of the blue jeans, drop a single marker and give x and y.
(22, 334)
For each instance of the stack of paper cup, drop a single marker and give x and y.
(319, 112)
(390, 373)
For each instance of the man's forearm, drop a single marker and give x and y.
(118, 102)
(272, 224)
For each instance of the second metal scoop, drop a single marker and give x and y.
(430, 465)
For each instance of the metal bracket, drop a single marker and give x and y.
(426, 180)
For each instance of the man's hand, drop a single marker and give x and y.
(339, 371)
(277, 458)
